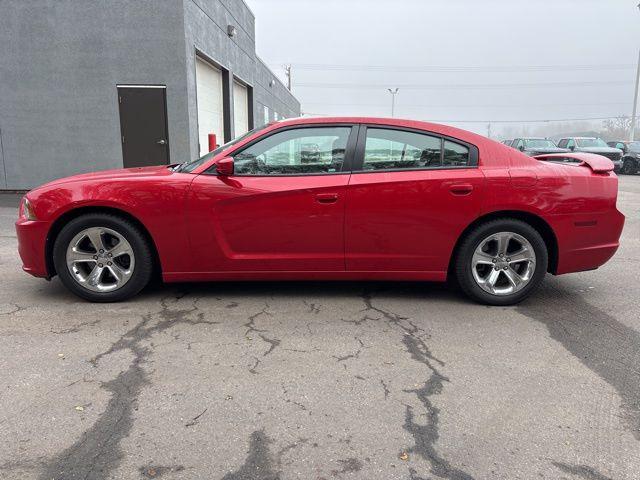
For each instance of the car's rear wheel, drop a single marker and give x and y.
(501, 262)
(102, 257)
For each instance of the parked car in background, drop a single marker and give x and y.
(630, 155)
(593, 145)
(496, 220)
(535, 146)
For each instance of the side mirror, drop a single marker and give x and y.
(521, 148)
(224, 166)
(572, 148)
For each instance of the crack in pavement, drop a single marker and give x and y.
(252, 328)
(351, 355)
(97, 452)
(157, 471)
(425, 436)
(604, 345)
(273, 343)
(349, 465)
(582, 471)
(385, 389)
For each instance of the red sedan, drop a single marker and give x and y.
(330, 199)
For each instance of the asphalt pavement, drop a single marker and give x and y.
(265, 381)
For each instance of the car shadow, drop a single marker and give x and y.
(296, 289)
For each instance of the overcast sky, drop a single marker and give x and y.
(455, 60)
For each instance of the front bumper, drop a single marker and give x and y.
(32, 238)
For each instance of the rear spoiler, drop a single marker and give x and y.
(597, 163)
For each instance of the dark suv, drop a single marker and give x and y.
(630, 155)
(593, 145)
(536, 146)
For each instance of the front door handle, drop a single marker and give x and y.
(327, 197)
(461, 188)
(161, 142)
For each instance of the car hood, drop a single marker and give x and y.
(120, 173)
(546, 150)
(598, 149)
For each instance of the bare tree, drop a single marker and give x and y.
(616, 128)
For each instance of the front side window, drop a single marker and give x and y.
(301, 151)
(397, 149)
(570, 143)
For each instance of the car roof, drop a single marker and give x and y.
(445, 130)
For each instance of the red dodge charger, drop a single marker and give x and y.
(330, 199)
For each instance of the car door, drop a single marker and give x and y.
(282, 209)
(410, 196)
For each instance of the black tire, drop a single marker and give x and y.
(463, 261)
(629, 166)
(142, 270)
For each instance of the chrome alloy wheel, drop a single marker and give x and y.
(100, 259)
(503, 263)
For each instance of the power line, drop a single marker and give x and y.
(460, 68)
(358, 86)
(469, 106)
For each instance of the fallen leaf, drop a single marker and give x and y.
(80, 408)
(403, 456)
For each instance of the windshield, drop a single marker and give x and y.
(634, 146)
(590, 142)
(189, 167)
(539, 143)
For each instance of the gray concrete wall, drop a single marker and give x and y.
(61, 60)
(206, 35)
(60, 63)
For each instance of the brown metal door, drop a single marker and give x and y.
(143, 126)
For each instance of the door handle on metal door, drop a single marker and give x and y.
(161, 142)
(327, 197)
(461, 188)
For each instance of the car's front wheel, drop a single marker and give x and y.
(629, 167)
(501, 262)
(102, 257)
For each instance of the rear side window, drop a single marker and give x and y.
(390, 149)
(563, 143)
(455, 155)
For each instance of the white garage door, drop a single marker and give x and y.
(240, 109)
(210, 104)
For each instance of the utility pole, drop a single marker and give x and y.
(632, 130)
(393, 92)
(488, 130)
(287, 72)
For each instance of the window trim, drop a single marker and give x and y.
(346, 164)
(474, 154)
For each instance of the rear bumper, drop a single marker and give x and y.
(32, 237)
(587, 241)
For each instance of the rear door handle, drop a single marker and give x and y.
(327, 197)
(461, 188)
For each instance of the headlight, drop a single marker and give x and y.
(26, 209)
